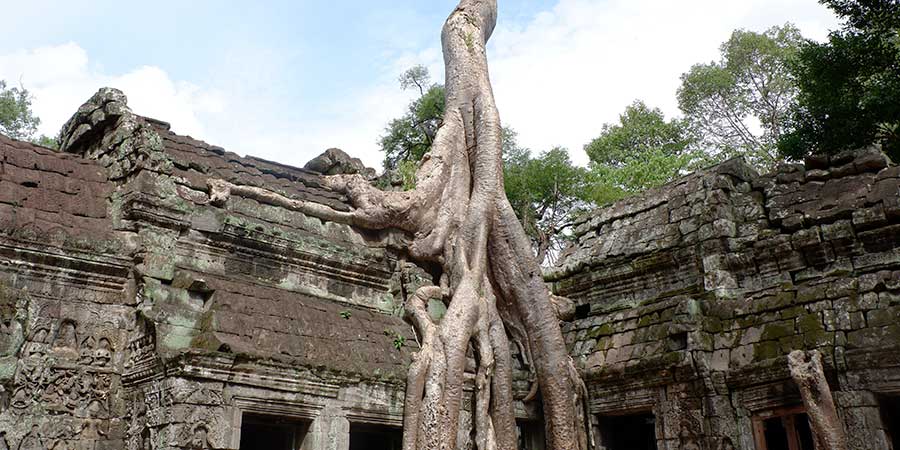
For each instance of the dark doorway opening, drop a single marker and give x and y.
(271, 433)
(783, 429)
(628, 432)
(375, 437)
(890, 417)
(530, 435)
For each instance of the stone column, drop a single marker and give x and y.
(329, 431)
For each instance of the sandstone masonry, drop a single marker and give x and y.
(692, 295)
(136, 312)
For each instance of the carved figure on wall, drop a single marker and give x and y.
(3, 444)
(38, 341)
(688, 441)
(726, 444)
(32, 440)
(200, 439)
(87, 351)
(20, 398)
(66, 341)
(103, 353)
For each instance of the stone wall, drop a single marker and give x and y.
(136, 313)
(690, 297)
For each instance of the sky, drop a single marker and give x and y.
(286, 79)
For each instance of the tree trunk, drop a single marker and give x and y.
(806, 370)
(490, 280)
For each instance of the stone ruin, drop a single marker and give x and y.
(136, 313)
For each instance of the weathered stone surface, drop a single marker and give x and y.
(805, 259)
(335, 161)
(135, 314)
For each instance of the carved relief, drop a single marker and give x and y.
(66, 341)
(200, 438)
(32, 440)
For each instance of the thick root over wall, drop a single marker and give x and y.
(490, 280)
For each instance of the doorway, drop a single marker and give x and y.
(628, 432)
(783, 429)
(260, 432)
(375, 437)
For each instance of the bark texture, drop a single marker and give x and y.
(806, 370)
(491, 282)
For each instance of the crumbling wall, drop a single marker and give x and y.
(63, 302)
(136, 313)
(693, 295)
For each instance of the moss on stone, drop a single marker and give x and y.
(766, 350)
(603, 330)
(774, 331)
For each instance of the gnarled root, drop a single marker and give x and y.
(807, 371)
(462, 221)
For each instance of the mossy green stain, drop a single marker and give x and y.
(602, 330)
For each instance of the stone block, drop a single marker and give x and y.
(868, 218)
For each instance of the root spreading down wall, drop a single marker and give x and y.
(138, 313)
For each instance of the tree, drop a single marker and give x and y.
(738, 106)
(640, 152)
(544, 206)
(461, 221)
(16, 118)
(546, 192)
(849, 86)
(408, 138)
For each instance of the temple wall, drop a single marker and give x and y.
(691, 296)
(137, 313)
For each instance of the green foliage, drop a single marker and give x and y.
(398, 341)
(849, 86)
(738, 105)
(642, 151)
(546, 192)
(408, 138)
(345, 314)
(16, 119)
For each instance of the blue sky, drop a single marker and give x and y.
(285, 80)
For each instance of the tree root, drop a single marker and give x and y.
(490, 280)
(807, 371)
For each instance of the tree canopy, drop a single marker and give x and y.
(643, 150)
(16, 118)
(849, 86)
(409, 137)
(546, 192)
(738, 106)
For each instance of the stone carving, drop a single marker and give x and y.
(4, 445)
(200, 438)
(32, 440)
(335, 161)
(66, 341)
(103, 353)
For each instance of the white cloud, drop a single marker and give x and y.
(557, 78)
(60, 79)
(577, 65)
